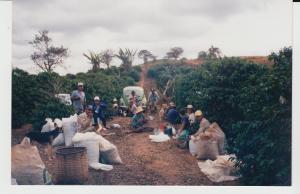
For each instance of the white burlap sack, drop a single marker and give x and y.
(205, 147)
(49, 126)
(69, 126)
(59, 140)
(109, 152)
(219, 170)
(26, 164)
(58, 122)
(218, 135)
(91, 141)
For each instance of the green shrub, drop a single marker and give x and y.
(252, 104)
(52, 109)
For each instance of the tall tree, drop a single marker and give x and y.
(214, 52)
(94, 59)
(202, 55)
(174, 53)
(46, 56)
(107, 56)
(145, 55)
(126, 57)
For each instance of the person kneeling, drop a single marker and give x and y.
(138, 121)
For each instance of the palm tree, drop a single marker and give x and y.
(94, 58)
(107, 56)
(126, 57)
(145, 55)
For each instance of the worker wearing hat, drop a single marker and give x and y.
(172, 114)
(99, 107)
(190, 113)
(138, 120)
(200, 125)
(78, 99)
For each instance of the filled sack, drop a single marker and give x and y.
(91, 140)
(206, 147)
(59, 140)
(26, 164)
(219, 136)
(109, 153)
(219, 170)
(49, 126)
(58, 122)
(69, 126)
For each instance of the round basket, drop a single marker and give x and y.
(71, 165)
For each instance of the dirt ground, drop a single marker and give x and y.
(144, 162)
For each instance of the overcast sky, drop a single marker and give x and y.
(237, 27)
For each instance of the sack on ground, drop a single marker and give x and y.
(219, 170)
(160, 137)
(109, 153)
(59, 140)
(218, 135)
(69, 128)
(49, 126)
(26, 164)
(206, 147)
(91, 141)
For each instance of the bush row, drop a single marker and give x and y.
(33, 96)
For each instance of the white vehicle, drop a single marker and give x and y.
(64, 98)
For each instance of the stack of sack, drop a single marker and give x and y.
(97, 148)
(27, 166)
(208, 144)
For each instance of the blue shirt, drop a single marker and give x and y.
(173, 116)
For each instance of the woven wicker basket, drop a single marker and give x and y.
(71, 165)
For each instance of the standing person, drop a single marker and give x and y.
(98, 110)
(190, 113)
(153, 99)
(133, 96)
(78, 99)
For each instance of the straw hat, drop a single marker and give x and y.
(139, 109)
(198, 113)
(172, 104)
(189, 106)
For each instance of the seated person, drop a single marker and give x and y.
(190, 113)
(172, 114)
(98, 111)
(184, 130)
(138, 121)
(85, 121)
(201, 123)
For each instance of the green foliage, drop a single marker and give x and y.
(33, 96)
(253, 106)
(51, 109)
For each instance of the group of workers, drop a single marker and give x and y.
(89, 116)
(187, 122)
